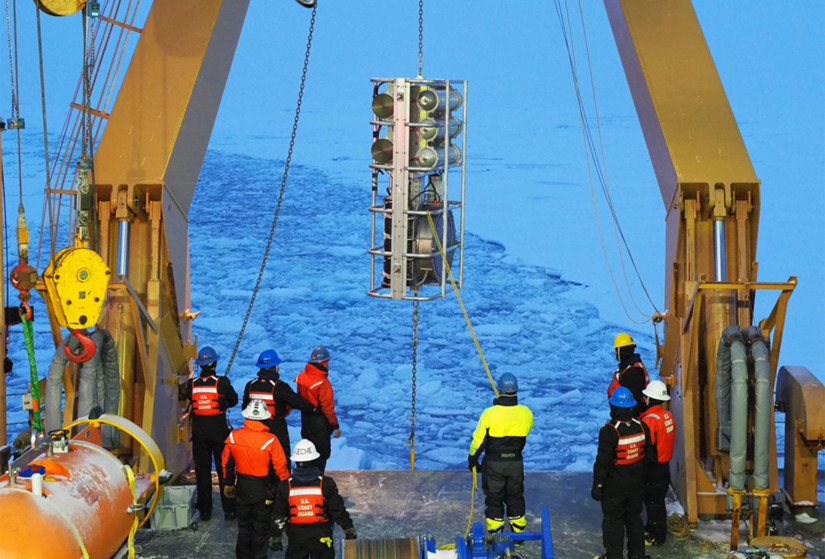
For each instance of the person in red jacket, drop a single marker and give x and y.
(253, 457)
(308, 505)
(279, 397)
(211, 395)
(314, 387)
(631, 372)
(657, 477)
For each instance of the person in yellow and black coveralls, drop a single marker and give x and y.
(619, 477)
(308, 505)
(211, 395)
(278, 395)
(662, 427)
(253, 458)
(501, 434)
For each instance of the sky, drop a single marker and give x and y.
(537, 288)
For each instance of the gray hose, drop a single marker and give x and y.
(723, 370)
(739, 414)
(762, 406)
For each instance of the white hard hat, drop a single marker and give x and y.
(256, 410)
(657, 390)
(304, 451)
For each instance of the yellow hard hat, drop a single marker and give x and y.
(623, 340)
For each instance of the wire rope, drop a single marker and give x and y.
(280, 193)
(595, 166)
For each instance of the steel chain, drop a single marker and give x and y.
(420, 38)
(280, 194)
(411, 440)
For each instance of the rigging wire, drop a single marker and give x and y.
(597, 169)
(47, 192)
(280, 193)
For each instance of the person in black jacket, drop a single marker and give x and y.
(307, 505)
(631, 372)
(278, 395)
(619, 477)
(211, 395)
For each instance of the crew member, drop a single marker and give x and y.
(618, 477)
(631, 372)
(253, 458)
(278, 395)
(501, 434)
(314, 387)
(308, 505)
(657, 476)
(211, 395)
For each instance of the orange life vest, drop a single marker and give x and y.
(306, 504)
(258, 391)
(631, 446)
(617, 377)
(662, 431)
(205, 396)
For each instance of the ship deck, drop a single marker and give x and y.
(388, 504)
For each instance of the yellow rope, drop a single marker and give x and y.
(460, 302)
(472, 506)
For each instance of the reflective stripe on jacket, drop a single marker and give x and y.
(662, 432)
(205, 396)
(264, 389)
(306, 504)
(631, 446)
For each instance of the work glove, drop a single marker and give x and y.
(229, 491)
(351, 533)
(596, 492)
(275, 543)
(472, 462)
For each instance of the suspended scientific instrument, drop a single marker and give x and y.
(418, 150)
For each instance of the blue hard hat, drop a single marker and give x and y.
(622, 398)
(507, 384)
(267, 358)
(206, 356)
(319, 355)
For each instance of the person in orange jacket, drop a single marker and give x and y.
(314, 387)
(657, 475)
(253, 457)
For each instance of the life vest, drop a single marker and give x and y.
(252, 447)
(617, 377)
(205, 396)
(631, 446)
(306, 504)
(662, 431)
(264, 389)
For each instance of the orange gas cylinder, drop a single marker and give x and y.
(82, 512)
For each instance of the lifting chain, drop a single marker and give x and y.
(280, 194)
(411, 440)
(420, 38)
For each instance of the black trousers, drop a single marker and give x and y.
(319, 434)
(203, 451)
(622, 515)
(310, 542)
(278, 428)
(254, 522)
(503, 486)
(657, 481)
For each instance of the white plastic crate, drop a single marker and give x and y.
(176, 508)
